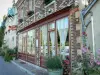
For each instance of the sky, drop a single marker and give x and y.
(4, 5)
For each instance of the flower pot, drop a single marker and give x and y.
(30, 13)
(56, 72)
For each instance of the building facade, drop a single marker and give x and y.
(48, 28)
(91, 26)
(11, 27)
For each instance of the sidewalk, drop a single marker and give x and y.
(29, 68)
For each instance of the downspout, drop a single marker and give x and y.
(82, 14)
(93, 34)
(83, 28)
(89, 7)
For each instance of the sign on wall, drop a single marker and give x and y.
(12, 27)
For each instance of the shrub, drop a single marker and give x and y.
(9, 54)
(8, 57)
(2, 53)
(53, 63)
(47, 1)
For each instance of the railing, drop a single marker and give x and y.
(26, 22)
(20, 26)
(50, 8)
(30, 20)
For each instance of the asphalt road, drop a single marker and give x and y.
(9, 68)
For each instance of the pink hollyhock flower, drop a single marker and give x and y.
(98, 63)
(66, 61)
(84, 50)
(98, 51)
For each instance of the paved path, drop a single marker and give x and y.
(9, 68)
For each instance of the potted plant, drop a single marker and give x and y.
(20, 20)
(30, 13)
(54, 65)
(10, 15)
(46, 2)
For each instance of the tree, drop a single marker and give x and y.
(2, 29)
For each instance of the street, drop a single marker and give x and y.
(7, 68)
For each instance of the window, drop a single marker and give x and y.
(62, 33)
(20, 43)
(52, 48)
(51, 26)
(12, 38)
(31, 42)
(21, 13)
(24, 42)
(43, 36)
(31, 5)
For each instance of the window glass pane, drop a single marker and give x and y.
(62, 33)
(22, 12)
(30, 42)
(52, 43)
(30, 4)
(43, 36)
(51, 26)
(33, 42)
(20, 43)
(52, 39)
(24, 39)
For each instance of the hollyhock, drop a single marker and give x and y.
(67, 62)
(98, 63)
(84, 50)
(98, 51)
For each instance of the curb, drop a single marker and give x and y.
(34, 65)
(22, 68)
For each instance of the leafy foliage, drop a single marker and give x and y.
(47, 1)
(2, 28)
(77, 66)
(87, 65)
(8, 57)
(9, 54)
(2, 53)
(30, 13)
(53, 63)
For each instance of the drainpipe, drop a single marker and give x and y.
(93, 34)
(83, 30)
(89, 7)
